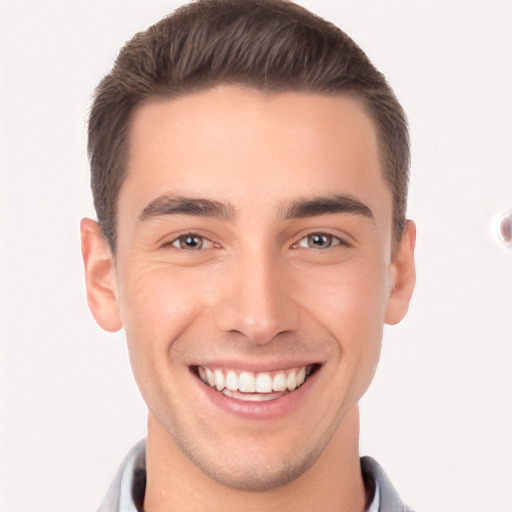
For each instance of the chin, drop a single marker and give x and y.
(256, 474)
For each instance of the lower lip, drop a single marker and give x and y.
(264, 410)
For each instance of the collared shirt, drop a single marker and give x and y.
(126, 493)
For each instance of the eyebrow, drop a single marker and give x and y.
(322, 205)
(169, 204)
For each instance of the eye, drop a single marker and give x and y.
(319, 241)
(190, 242)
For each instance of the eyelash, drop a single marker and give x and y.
(332, 240)
(185, 236)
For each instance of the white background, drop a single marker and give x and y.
(439, 414)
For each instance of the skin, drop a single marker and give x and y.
(254, 292)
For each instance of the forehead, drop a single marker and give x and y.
(248, 147)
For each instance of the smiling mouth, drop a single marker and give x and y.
(255, 386)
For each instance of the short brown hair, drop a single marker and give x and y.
(270, 45)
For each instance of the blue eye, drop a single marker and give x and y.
(318, 241)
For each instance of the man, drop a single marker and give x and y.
(249, 171)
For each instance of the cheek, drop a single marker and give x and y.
(350, 304)
(351, 297)
(157, 305)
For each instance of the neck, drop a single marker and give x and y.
(333, 483)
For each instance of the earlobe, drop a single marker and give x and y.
(99, 276)
(402, 276)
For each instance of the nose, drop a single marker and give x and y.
(255, 300)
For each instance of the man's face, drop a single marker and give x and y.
(254, 245)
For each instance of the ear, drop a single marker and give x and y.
(402, 275)
(99, 276)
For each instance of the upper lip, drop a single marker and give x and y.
(258, 367)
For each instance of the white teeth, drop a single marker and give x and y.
(247, 383)
(279, 382)
(219, 379)
(291, 381)
(231, 384)
(301, 376)
(209, 377)
(263, 383)
(232, 380)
